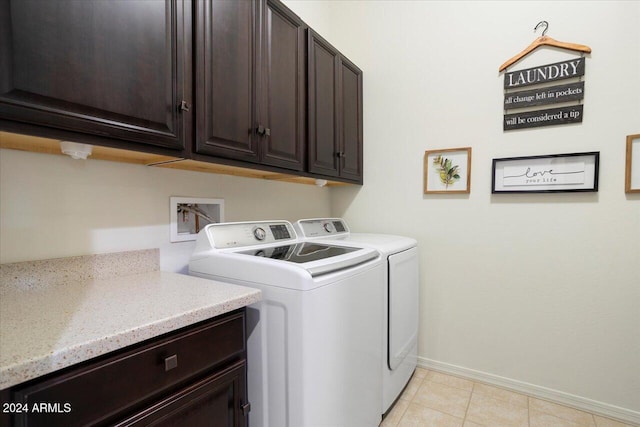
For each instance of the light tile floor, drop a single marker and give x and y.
(433, 399)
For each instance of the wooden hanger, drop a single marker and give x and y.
(544, 41)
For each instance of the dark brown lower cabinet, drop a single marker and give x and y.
(209, 402)
(192, 377)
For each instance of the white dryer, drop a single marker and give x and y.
(401, 284)
(314, 341)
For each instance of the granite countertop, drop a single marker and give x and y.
(50, 324)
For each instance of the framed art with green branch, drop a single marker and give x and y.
(447, 171)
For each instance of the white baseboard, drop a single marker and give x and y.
(588, 405)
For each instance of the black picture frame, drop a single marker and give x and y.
(553, 173)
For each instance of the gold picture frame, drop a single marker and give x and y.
(447, 171)
(632, 168)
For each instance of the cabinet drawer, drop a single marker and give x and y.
(92, 394)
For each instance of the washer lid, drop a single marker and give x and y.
(253, 250)
(300, 252)
(316, 258)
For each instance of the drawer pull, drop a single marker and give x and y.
(170, 362)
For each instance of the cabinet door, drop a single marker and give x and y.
(323, 106)
(282, 95)
(225, 60)
(99, 68)
(351, 121)
(216, 401)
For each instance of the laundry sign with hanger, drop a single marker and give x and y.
(542, 89)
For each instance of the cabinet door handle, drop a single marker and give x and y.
(340, 154)
(170, 362)
(246, 408)
(261, 130)
(184, 106)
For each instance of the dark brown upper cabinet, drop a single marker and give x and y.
(250, 80)
(242, 83)
(335, 112)
(108, 72)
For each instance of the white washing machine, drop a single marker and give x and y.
(401, 284)
(314, 341)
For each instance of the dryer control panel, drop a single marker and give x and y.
(322, 227)
(240, 234)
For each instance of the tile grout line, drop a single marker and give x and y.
(466, 412)
(422, 380)
(410, 401)
(425, 380)
(403, 412)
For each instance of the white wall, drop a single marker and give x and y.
(53, 206)
(539, 290)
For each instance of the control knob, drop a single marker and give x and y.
(328, 227)
(259, 233)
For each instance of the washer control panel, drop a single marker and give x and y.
(239, 234)
(321, 227)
